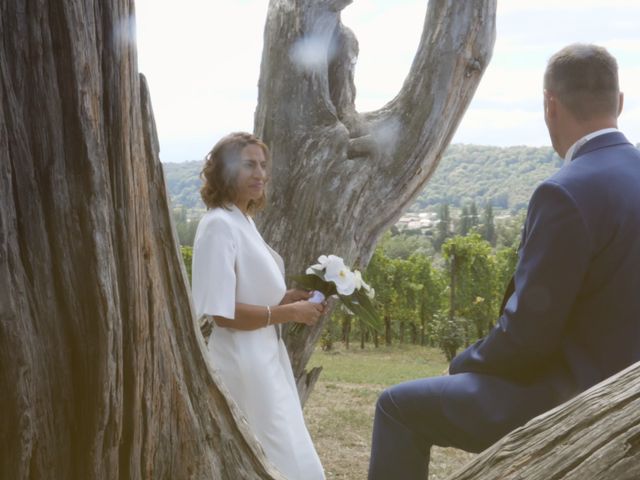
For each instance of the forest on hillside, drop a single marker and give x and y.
(504, 177)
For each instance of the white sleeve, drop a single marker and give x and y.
(213, 270)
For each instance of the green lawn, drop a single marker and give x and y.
(340, 410)
(383, 366)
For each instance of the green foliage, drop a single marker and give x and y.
(443, 229)
(187, 255)
(506, 261)
(488, 229)
(449, 306)
(472, 291)
(185, 227)
(509, 231)
(503, 177)
(403, 245)
(183, 183)
(429, 295)
(464, 225)
(469, 220)
(449, 334)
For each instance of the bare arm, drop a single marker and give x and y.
(252, 317)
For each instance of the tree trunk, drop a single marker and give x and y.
(346, 330)
(328, 336)
(103, 371)
(594, 436)
(341, 178)
(387, 330)
(452, 287)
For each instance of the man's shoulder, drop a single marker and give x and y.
(601, 164)
(598, 181)
(605, 144)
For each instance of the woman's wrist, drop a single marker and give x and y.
(279, 314)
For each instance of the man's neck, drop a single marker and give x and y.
(578, 130)
(575, 148)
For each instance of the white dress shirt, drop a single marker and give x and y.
(577, 145)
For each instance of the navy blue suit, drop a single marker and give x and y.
(572, 320)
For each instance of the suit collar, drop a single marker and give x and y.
(602, 141)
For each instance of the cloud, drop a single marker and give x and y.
(510, 88)
(552, 7)
(388, 35)
(493, 126)
(202, 61)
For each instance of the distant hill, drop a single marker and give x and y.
(504, 176)
(183, 182)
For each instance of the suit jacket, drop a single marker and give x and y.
(573, 318)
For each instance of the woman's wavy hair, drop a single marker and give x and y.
(220, 171)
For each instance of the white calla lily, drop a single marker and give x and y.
(338, 273)
(323, 261)
(330, 275)
(360, 283)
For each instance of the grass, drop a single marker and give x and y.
(340, 411)
(382, 366)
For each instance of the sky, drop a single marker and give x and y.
(202, 58)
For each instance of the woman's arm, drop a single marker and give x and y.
(252, 317)
(295, 294)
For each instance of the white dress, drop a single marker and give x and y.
(232, 263)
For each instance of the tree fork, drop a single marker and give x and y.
(340, 177)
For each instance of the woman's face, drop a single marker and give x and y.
(252, 176)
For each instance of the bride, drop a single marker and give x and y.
(239, 281)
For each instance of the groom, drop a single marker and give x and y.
(572, 318)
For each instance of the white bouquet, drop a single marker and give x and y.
(330, 276)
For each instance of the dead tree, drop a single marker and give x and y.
(102, 367)
(594, 436)
(340, 177)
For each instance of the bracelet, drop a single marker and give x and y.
(268, 315)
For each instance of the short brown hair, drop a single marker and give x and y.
(584, 78)
(220, 171)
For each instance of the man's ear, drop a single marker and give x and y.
(550, 104)
(620, 103)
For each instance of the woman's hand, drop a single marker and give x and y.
(294, 295)
(305, 312)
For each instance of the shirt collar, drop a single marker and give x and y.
(573, 149)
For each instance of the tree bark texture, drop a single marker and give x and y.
(102, 368)
(594, 436)
(340, 177)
